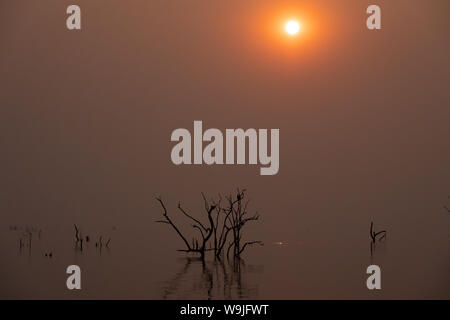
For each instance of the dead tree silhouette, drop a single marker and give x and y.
(205, 232)
(80, 241)
(222, 221)
(238, 218)
(27, 234)
(78, 238)
(374, 235)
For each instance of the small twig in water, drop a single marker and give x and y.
(374, 234)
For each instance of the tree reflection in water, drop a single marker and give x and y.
(199, 279)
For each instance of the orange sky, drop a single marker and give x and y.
(363, 115)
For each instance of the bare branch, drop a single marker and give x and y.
(199, 229)
(250, 243)
(374, 234)
(172, 224)
(205, 201)
(76, 233)
(190, 217)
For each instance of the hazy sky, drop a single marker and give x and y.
(86, 116)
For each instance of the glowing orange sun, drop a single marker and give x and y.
(293, 27)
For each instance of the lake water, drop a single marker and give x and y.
(135, 268)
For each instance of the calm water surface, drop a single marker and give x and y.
(133, 267)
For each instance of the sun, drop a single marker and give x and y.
(292, 27)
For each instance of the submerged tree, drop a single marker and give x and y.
(78, 238)
(223, 221)
(238, 216)
(374, 235)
